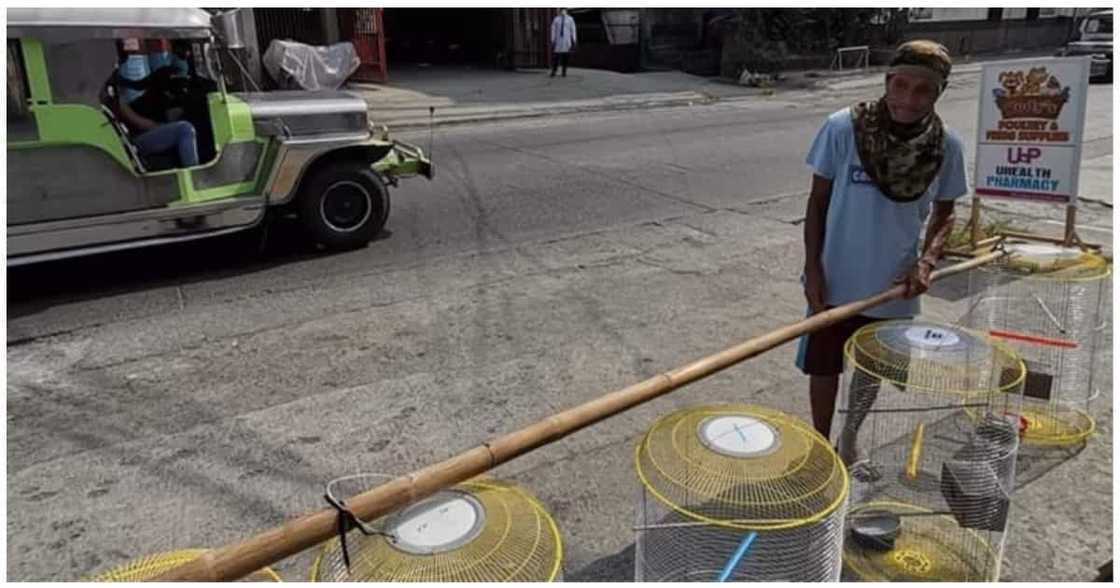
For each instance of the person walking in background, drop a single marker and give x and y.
(563, 39)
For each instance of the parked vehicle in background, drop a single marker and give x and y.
(1094, 39)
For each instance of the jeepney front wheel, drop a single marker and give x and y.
(343, 205)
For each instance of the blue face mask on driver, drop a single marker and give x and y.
(134, 68)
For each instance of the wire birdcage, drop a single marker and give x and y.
(738, 492)
(151, 566)
(929, 427)
(1051, 304)
(483, 530)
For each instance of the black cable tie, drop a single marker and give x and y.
(347, 520)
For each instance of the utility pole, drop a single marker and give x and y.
(331, 32)
(251, 54)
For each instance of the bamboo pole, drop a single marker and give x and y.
(240, 559)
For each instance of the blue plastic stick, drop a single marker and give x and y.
(739, 553)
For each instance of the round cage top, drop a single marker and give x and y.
(741, 466)
(934, 357)
(151, 566)
(1047, 261)
(483, 530)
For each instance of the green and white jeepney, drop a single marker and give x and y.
(77, 184)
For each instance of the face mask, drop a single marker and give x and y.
(134, 68)
(159, 59)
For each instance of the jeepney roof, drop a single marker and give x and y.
(53, 23)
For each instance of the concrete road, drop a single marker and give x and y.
(192, 395)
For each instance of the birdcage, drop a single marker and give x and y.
(738, 492)
(483, 530)
(928, 425)
(151, 566)
(1050, 304)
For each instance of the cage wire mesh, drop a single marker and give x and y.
(483, 530)
(150, 566)
(713, 475)
(1050, 304)
(928, 423)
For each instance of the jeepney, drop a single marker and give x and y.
(77, 184)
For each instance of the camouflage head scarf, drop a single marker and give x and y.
(903, 160)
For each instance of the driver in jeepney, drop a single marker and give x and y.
(130, 95)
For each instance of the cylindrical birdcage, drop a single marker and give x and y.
(149, 567)
(928, 425)
(483, 530)
(738, 492)
(1050, 304)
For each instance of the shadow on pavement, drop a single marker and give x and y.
(613, 568)
(37, 287)
(1035, 461)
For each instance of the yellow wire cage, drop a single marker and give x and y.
(483, 530)
(151, 566)
(721, 479)
(1051, 304)
(929, 427)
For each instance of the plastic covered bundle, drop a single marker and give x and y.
(298, 66)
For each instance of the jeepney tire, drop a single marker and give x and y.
(344, 205)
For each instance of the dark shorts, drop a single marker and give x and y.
(822, 353)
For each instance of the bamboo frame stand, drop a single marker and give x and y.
(980, 246)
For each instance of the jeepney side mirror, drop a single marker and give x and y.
(228, 26)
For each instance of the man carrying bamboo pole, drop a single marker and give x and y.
(878, 168)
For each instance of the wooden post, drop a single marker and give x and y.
(240, 559)
(974, 221)
(1071, 220)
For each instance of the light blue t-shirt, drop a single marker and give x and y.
(870, 239)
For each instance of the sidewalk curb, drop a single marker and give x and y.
(607, 104)
(876, 78)
(420, 119)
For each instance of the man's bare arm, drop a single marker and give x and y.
(816, 215)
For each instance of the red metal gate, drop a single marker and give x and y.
(365, 29)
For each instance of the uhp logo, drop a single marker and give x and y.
(1020, 155)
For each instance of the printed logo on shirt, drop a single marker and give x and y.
(856, 175)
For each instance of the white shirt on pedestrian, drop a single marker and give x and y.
(563, 35)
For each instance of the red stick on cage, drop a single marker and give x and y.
(1034, 339)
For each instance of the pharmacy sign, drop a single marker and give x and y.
(1031, 122)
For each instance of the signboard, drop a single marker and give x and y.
(1031, 120)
